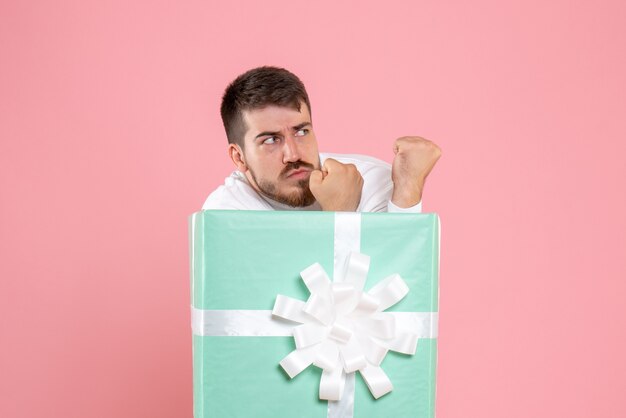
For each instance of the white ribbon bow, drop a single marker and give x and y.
(344, 329)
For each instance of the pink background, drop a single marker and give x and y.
(110, 137)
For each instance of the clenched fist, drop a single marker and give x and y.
(337, 187)
(415, 158)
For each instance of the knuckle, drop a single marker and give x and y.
(352, 170)
(407, 143)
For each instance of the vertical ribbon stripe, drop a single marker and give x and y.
(347, 241)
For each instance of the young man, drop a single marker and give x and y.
(267, 117)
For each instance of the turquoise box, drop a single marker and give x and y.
(240, 260)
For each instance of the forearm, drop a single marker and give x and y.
(407, 195)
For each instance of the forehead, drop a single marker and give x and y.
(274, 118)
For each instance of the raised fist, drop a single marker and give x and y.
(337, 187)
(415, 158)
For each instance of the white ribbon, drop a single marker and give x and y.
(347, 240)
(259, 323)
(344, 329)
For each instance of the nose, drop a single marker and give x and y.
(290, 150)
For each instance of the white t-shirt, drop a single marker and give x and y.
(236, 193)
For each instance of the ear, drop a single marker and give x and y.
(236, 155)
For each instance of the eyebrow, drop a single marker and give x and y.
(295, 128)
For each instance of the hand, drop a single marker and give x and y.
(415, 158)
(337, 187)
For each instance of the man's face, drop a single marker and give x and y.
(280, 152)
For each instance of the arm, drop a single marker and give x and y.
(415, 158)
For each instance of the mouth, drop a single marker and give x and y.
(299, 173)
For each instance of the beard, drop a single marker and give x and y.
(299, 198)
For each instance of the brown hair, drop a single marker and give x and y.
(256, 89)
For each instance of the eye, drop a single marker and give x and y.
(270, 140)
(302, 132)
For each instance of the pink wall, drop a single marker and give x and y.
(110, 136)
